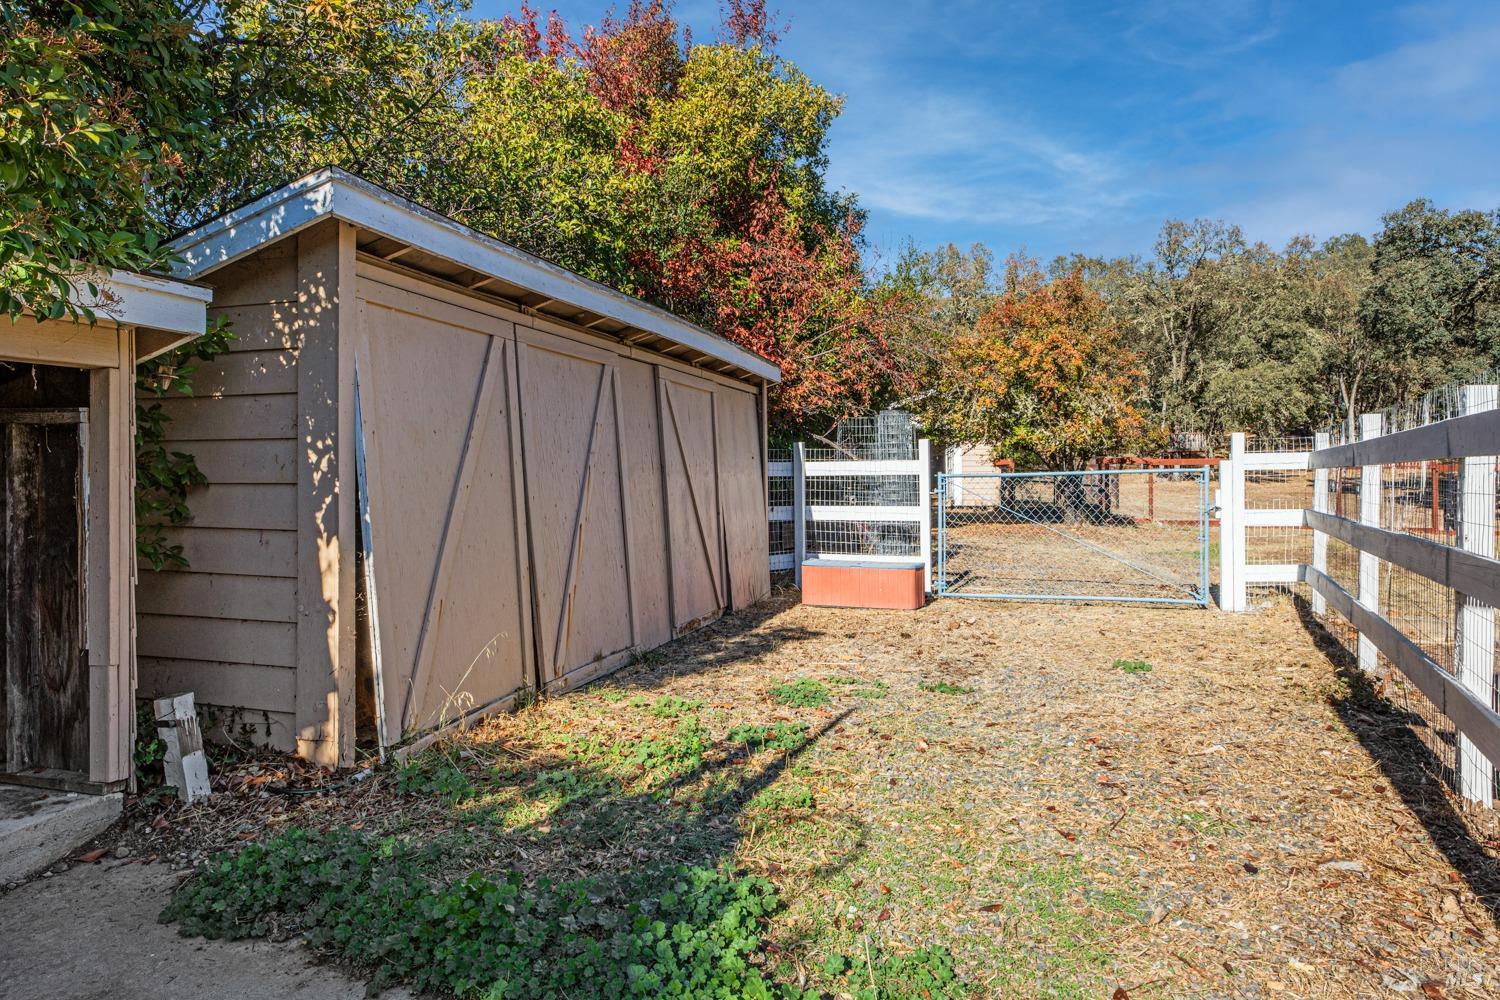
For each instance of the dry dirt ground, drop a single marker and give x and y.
(91, 934)
(1008, 781)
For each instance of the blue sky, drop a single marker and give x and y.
(1063, 126)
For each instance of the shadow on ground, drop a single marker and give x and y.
(1390, 735)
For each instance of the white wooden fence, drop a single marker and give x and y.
(840, 509)
(1463, 692)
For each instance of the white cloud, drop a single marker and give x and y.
(1195, 33)
(939, 157)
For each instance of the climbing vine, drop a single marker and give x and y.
(163, 477)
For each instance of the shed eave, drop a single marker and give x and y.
(165, 312)
(334, 193)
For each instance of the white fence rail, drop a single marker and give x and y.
(1442, 635)
(846, 510)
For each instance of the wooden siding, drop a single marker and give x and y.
(742, 485)
(225, 627)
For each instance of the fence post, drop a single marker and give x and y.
(799, 509)
(1370, 426)
(1321, 440)
(924, 497)
(1232, 527)
(1474, 645)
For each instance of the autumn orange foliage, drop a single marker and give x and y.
(1045, 377)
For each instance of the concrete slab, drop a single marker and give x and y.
(91, 934)
(39, 826)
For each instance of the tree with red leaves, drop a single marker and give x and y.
(711, 197)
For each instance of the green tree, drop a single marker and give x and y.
(1432, 310)
(105, 105)
(1045, 377)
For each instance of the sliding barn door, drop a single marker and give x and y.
(743, 489)
(45, 697)
(446, 551)
(578, 502)
(690, 471)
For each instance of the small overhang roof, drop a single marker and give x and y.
(402, 233)
(166, 313)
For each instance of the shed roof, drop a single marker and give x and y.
(398, 231)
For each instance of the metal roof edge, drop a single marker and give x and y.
(335, 193)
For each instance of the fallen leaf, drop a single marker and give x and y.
(92, 856)
(992, 908)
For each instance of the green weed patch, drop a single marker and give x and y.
(1133, 666)
(781, 736)
(369, 902)
(801, 693)
(943, 687)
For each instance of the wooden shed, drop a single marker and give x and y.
(443, 471)
(67, 520)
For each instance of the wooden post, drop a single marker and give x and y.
(1232, 527)
(924, 497)
(799, 509)
(185, 766)
(1321, 440)
(325, 325)
(1370, 426)
(1474, 644)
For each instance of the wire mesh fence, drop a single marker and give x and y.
(890, 435)
(779, 489)
(1445, 501)
(1104, 535)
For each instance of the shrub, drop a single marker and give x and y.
(1133, 666)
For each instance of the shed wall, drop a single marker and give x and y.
(541, 502)
(225, 627)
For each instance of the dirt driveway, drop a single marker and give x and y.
(1071, 801)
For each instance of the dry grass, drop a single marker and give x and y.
(1242, 820)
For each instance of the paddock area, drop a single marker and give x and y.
(1075, 801)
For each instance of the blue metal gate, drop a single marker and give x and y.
(1133, 535)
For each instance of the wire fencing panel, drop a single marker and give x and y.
(780, 509)
(862, 494)
(1130, 535)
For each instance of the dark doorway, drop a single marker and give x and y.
(44, 695)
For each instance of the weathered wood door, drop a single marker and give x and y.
(690, 470)
(577, 502)
(437, 401)
(45, 697)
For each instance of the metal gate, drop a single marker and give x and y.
(1134, 535)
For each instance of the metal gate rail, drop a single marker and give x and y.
(1118, 535)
